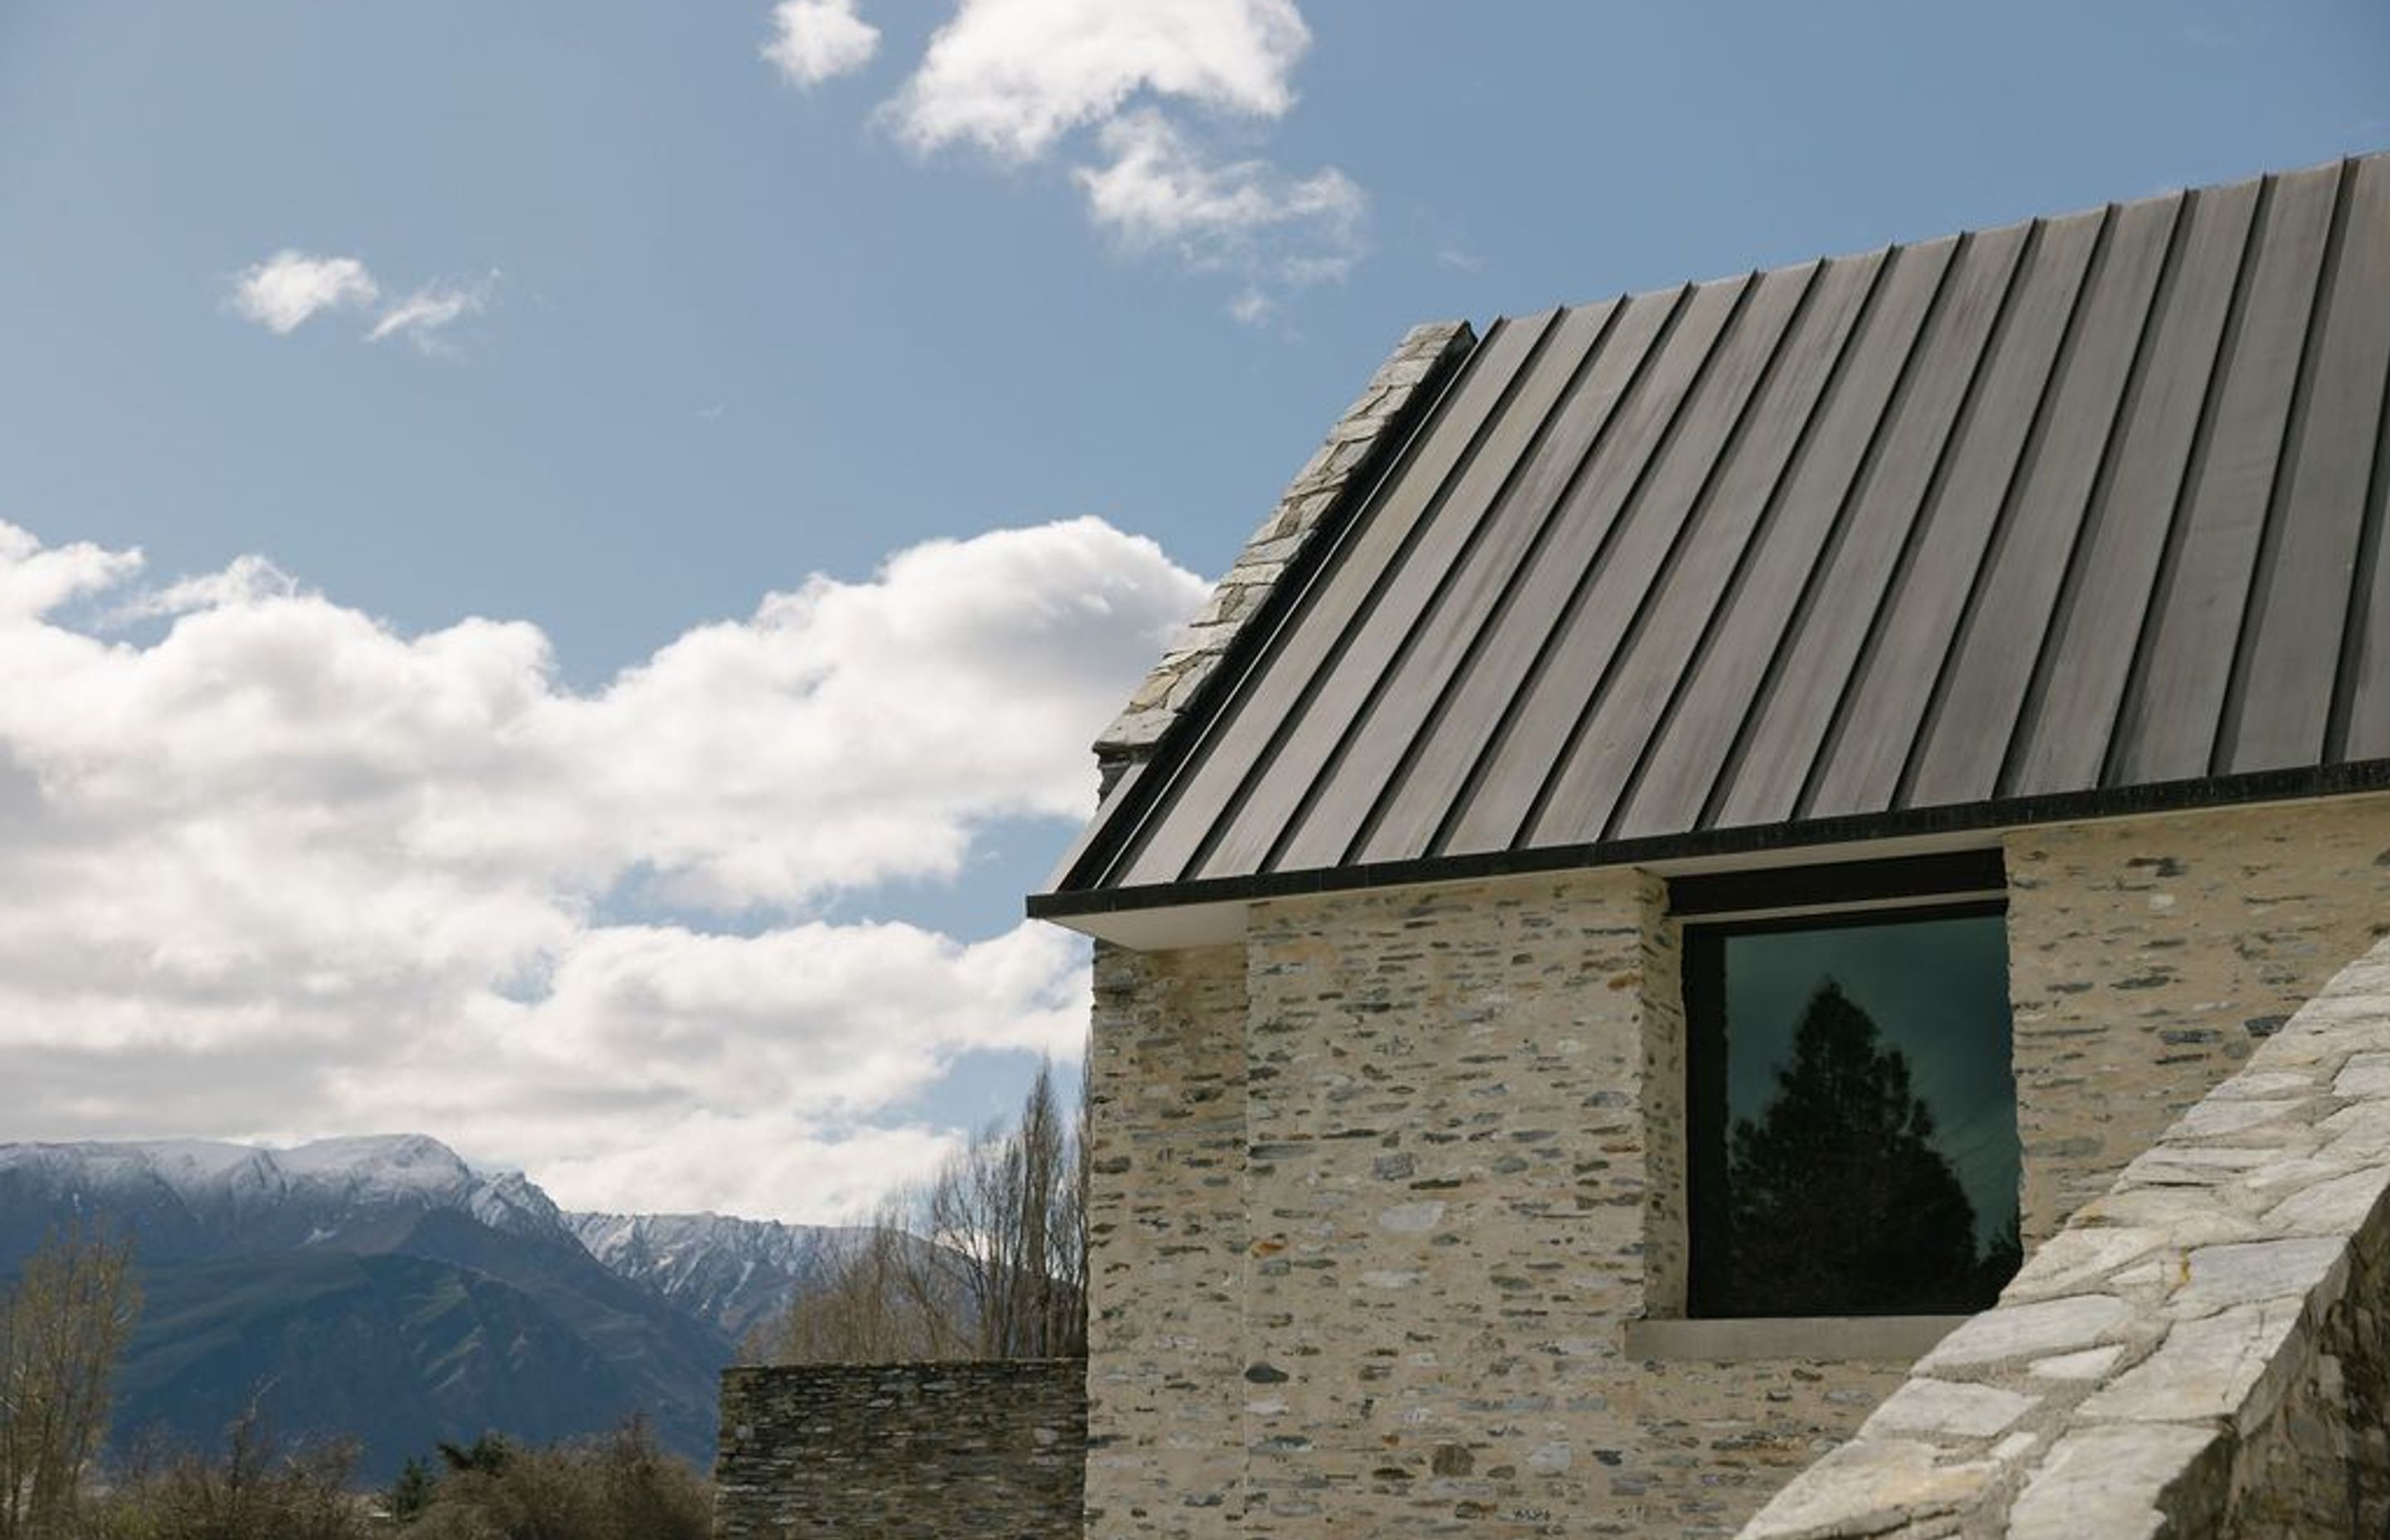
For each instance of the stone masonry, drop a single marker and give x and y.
(1166, 1231)
(1427, 1106)
(902, 1451)
(1371, 427)
(2202, 1352)
(1379, 1190)
(2149, 957)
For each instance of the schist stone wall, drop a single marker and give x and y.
(1167, 1229)
(1380, 1189)
(2148, 958)
(902, 1451)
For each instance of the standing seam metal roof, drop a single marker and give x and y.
(2042, 518)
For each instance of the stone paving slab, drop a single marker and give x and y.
(2012, 1332)
(1942, 1407)
(2102, 1482)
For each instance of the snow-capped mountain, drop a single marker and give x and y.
(736, 1273)
(188, 1197)
(376, 1287)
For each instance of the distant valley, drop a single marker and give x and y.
(381, 1288)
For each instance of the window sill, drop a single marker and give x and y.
(1818, 1339)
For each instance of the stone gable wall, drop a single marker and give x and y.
(902, 1451)
(1452, 1152)
(2202, 1352)
(1380, 1190)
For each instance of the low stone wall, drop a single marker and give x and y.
(903, 1451)
(2203, 1350)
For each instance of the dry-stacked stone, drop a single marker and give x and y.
(1366, 431)
(994, 1450)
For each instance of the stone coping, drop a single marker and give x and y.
(1811, 1339)
(1373, 422)
(2139, 1350)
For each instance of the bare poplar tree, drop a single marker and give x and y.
(1008, 1207)
(1071, 1231)
(883, 1302)
(987, 1260)
(62, 1328)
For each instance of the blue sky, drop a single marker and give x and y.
(670, 326)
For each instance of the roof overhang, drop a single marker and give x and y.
(1214, 913)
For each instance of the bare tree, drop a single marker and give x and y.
(987, 1260)
(1071, 1232)
(1008, 1206)
(886, 1299)
(62, 1328)
(256, 1488)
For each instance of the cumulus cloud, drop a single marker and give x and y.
(1021, 80)
(290, 287)
(817, 40)
(284, 871)
(1159, 190)
(34, 580)
(249, 579)
(1013, 76)
(423, 315)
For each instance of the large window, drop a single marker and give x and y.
(1852, 1112)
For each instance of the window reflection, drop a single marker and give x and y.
(1854, 1116)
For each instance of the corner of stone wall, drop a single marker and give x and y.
(2202, 1352)
(1372, 425)
(1166, 1227)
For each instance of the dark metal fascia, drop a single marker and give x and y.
(2018, 813)
(1829, 882)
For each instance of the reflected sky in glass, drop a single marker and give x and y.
(1938, 990)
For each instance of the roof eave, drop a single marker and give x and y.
(1098, 911)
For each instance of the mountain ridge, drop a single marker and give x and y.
(737, 1272)
(380, 1287)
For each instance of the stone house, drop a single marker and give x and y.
(1703, 826)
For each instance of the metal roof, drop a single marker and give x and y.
(2077, 514)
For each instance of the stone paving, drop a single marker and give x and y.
(2203, 1351)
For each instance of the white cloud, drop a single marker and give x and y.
(282, 292)
(1013, 76)
(1019, 78)
(423, 315)
(284, 871)
(249, 580)
(291, 288)
(1244, 216)
(817, 40)
(34, 580)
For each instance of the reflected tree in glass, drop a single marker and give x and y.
(1839, 1204)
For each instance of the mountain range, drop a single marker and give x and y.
(381, 1288)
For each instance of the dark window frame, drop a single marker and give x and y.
(1967, 885)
